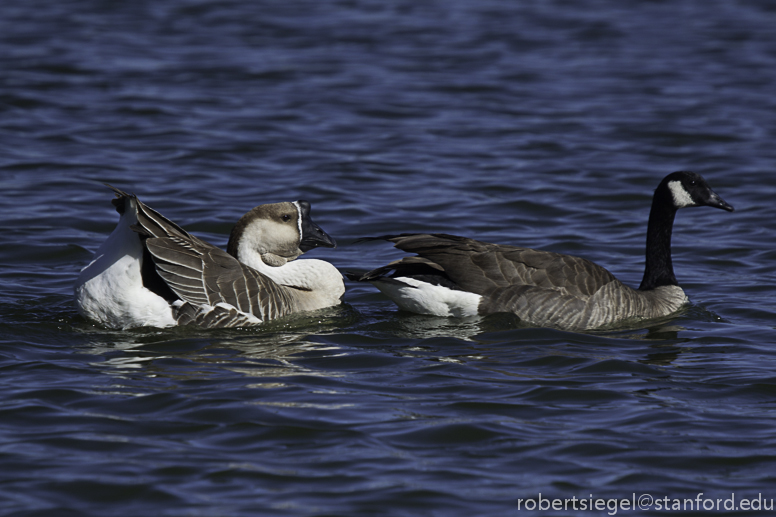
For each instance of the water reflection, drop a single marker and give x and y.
(665, 356)
(270, 356)
(192, 353)
(291, 348)
(414, 326)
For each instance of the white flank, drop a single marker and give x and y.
(682, 198)
(110, 289)
(435, 300)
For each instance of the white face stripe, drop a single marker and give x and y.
(299, 219)
(682, 198)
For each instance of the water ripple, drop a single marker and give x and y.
(545, 125)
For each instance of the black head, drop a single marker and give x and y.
(685, 188)
(312, 234)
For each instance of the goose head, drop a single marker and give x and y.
(677, 190)
(685, 188)
(276, 233)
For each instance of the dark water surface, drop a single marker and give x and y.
(546, 124)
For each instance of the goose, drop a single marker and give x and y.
(460, 277)
(152, 272)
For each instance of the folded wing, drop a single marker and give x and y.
(202, 274)
(479, 266)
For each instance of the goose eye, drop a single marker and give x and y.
(693, 183)
(286, 217)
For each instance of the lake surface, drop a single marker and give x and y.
(543, 124)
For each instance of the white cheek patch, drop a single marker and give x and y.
(299, 219)
(682, 198)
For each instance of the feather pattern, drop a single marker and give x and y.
(543, 288)
(207, 286)
(219, 316)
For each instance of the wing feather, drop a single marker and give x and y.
(212, 317)
(202, 274)
(216, 289)
(479, 267)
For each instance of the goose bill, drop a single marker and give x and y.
(717, 202)
(313, 236)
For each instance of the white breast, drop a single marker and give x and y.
(322, 281)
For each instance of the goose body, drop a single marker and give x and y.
(151, 272)
(457, 276)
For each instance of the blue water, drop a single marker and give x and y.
(544, 124)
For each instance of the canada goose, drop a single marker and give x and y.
(456, 276)
(151, 272)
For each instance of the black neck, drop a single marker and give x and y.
(234, 238)
(659, 270)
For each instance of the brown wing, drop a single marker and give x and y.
(480, 267)
(202, 274)
(219, 316)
